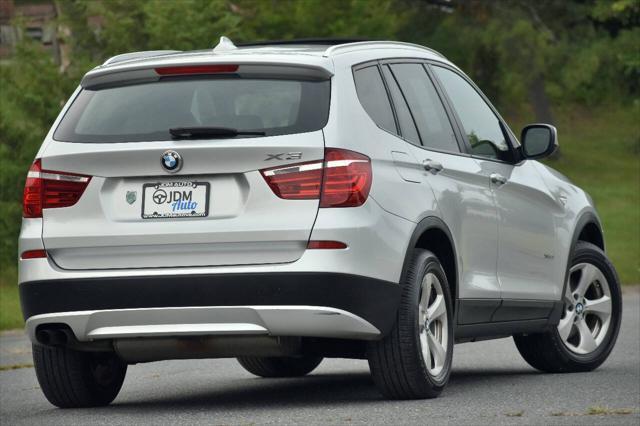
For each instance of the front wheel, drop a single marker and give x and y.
(590, 321)
(414, 360)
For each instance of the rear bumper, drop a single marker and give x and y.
(277, 304)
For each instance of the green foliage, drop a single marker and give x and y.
(502, 59)
(32, 93)
(10, 315)
(586, 52)
(204, 20)
(330, 18)
(625, 11)
(153, 24)
(609, 135)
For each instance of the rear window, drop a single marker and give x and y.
(373, 97)
(146, 112)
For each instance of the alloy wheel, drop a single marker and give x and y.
(587, 309)
(432, 323)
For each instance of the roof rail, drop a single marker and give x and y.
(138, 55)
(334, 48)
(315, 41)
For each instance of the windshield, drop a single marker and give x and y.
(146, 112)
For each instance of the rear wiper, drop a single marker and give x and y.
(211, 132)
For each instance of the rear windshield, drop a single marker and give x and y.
(146, 112)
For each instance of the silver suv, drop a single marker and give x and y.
(284, 202)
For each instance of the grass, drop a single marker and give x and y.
(600, 152)
(15, 367)
(10, 314)
(604, 411)
(595, 411)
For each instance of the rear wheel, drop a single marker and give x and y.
(73, 379)
(280, 366)
(414, 360)
(590, 321)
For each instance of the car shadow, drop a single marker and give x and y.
(256, 393)
(324, 389)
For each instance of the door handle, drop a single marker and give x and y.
(497, 179)
(432, 166)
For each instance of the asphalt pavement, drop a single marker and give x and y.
(490, 384)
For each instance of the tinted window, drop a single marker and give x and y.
(427, 109)
(146, 112)
(405, 120)
(373, 97)
(480, 123)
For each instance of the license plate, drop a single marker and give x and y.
(175, 199)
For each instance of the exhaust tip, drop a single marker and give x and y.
(54, 336)
(59, 337)
(43, 337)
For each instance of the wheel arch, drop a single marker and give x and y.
(588, 228)
(432, 234)
(591, 232)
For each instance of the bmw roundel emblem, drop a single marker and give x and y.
(171, 161)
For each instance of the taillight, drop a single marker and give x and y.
(295, 182)
(343, 179)
(46, 189)
(347, 178)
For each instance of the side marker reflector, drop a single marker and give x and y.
(335, 245)
(33, 254)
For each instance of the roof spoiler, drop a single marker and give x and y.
(138, 55)
(150, 72)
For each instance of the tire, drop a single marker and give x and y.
(280, 366)
(399, 366)
(567, 351)
(73, 379)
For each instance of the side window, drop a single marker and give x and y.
(405, 119)
(426, 107)
(481, 125)
(373, 97)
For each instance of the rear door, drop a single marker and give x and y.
(463, 195)
(157, 200)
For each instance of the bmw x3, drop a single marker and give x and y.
(280, 203)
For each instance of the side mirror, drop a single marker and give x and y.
(539, 140)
